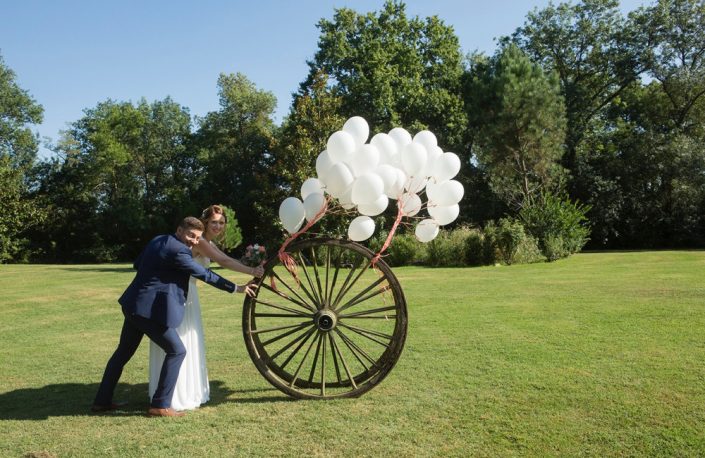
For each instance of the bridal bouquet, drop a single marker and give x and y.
(254, 255)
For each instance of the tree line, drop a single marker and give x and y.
(583, 111)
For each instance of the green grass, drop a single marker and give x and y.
(601, 354)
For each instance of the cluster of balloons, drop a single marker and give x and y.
(366, 176)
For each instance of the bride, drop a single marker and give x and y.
(192, 388)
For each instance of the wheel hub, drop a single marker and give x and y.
(325, 320)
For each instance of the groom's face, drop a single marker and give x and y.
(188, 237)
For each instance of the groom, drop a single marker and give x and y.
(153, 304)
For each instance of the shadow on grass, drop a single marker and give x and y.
(75, 399)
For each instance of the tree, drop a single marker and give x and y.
(595, 52)
(125, 173)
(393, 71)
(18, 151)
(235, 150)
(522, 126)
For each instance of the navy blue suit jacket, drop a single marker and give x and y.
(158, 291)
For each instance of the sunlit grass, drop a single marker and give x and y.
(602, 354)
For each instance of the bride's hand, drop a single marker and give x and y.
(258, 271)
(248, 288)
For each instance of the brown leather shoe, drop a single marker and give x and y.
(106, 408)
(159, 412)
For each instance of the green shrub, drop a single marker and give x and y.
(559, 225)
(507, 242)
(404, 249)
(476, 251)
(449, 248)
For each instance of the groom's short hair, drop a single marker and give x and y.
(191, 223)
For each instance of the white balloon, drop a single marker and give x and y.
(446, 167)
(358, 128)
(291, 213)
(313, 204)
(410, 204)
(413, 159)
(388, 174)
(426, 138)
(367, 188)
(443, 215)
(448, 193)
(361, 228)
(415, 184)
(340, 146)
(426, 230)
(388, 149)
(433, 155)
(432, 190)
(345, 199)
(311, 186)
(323, 163)
(398, 188)
(375, 208)
(338, 178)
(364, 159)
(400, 136)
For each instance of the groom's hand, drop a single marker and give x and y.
(248, 288)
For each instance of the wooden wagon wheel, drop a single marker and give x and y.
(336, 332)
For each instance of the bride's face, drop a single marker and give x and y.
(215, 227)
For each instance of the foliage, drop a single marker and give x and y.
(123, 174)
(558, 224)
(595, 52)
(518, 113)
(393, 70)
(506, 238)
(234, 147)
(449, 248)
(20, 210)
(232, 236)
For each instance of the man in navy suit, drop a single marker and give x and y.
(153, 304)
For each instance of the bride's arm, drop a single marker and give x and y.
(211, 251)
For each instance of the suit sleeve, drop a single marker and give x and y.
(184, 261)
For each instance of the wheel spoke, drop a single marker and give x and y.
(345, 364)
(323, 366)
(312, 293)
(303, 338)
(315, 358)
(325, 294)
(368, 312)
(279, 328)
(301, 364)
(321, 297)
(359, 296)
(281, 307)
(281, 336)
(335, 358)
(345, 283)
(343, 292)
(368, 334)
(335, 278)
(355, 349)
(302, 302)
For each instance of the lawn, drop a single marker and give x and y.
(601, 354)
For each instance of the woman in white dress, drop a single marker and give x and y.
(192, 388)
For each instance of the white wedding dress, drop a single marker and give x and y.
(192, 388)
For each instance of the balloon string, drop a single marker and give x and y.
(388, 241)
(286, 259)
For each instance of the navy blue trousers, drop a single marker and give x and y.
(133, 329)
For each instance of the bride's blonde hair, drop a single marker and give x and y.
(208, 213)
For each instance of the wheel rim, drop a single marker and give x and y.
(336, 333)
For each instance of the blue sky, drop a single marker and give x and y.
(72, 54)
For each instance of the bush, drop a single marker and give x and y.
(476, 253)
(404, 249)
(504, 239)
(448, 249)
(558, 224)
